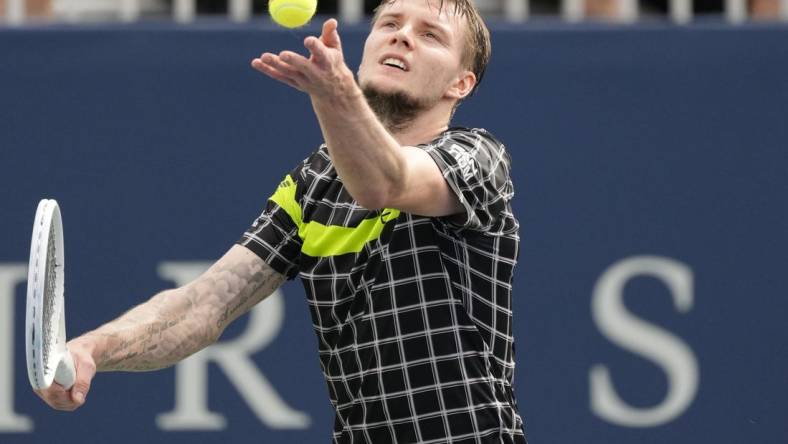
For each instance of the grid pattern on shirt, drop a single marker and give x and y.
(415, 329)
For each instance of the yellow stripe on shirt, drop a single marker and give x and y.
(319, 240)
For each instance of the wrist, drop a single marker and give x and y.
(343, 96)
(89, 343)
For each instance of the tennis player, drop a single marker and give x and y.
(400, 228)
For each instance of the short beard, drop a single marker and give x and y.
(396, 110)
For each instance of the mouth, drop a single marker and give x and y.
(394, 62)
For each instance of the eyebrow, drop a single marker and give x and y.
(390, 14)
(443, 30)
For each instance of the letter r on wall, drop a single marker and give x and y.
(233, 357)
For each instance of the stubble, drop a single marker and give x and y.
(396, 110)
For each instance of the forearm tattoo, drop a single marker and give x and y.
(177, 323)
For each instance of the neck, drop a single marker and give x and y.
(410, 121)
(422, 129)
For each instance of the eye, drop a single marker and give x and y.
(391, 25)
(430, 35)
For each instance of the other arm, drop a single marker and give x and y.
(170, 326)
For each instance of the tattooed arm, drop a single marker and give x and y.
(170, 326)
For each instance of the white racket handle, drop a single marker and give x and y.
(65, 374)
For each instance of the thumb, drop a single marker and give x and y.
(85, 372)
(330, 35)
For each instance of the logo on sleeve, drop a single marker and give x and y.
(465, 161)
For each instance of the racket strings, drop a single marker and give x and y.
(49, 301)
(36, 275)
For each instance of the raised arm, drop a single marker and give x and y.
(376, 170)
(170, 326)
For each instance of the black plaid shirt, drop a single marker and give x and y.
(412, 314)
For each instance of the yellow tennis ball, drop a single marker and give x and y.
(292, 13)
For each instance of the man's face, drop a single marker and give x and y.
(414, 50)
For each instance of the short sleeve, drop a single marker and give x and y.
(274, 235)
(477, 168)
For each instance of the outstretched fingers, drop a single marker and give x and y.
(317, 50)
(296, 64)
(275, 67)
(316, 75)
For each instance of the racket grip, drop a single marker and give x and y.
(65, 374)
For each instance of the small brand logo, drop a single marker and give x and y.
(465, 161)
(383, 215)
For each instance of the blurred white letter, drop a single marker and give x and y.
(10, 276)
(191, 375)
(653, 343)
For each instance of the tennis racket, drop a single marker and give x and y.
(48, 359)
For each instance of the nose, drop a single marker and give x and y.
(402, 37)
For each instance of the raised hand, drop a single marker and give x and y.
(323, 74)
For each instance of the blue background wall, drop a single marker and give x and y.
(162, 144)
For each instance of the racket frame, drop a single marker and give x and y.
(60, 365)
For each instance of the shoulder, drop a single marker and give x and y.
(477, 142)
(471, 147)
(469, 136)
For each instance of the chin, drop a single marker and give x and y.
(384, 84)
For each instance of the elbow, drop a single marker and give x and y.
(381, 187)
(384, 193)
(376, 198)
(371, 200)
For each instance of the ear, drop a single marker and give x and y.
(462, 85)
